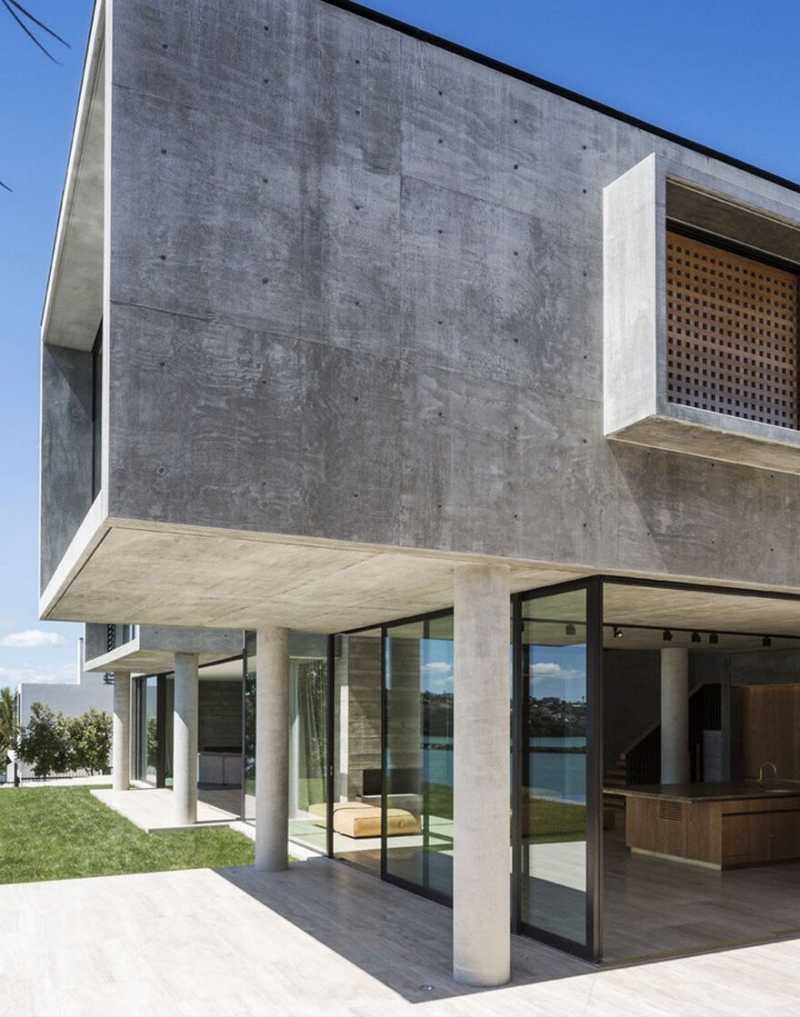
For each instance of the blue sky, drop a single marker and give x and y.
(723, 73)
(37, 108)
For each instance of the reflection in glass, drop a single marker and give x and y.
(419, 754)
(249, 739)
(169, 722)
(308, 748)
(147, 730)
(357, 761)
(554, 665)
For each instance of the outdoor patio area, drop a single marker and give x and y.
(151, 809)
(322, 938)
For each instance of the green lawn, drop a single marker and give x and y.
(548, 821)
(552, 822)
(64, 833)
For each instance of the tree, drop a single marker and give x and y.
(19, 13)
(95, 741)
(44, 742)
(76, 743)
(8, 722)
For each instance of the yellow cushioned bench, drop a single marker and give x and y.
(358, 819)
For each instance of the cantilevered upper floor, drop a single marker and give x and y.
(151, 649)
(335, 305)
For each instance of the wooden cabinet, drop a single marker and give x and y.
(717, 832)
(746, 838)
(751, 837)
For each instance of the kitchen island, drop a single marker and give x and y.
(716, 825)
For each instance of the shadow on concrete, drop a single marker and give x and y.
(397, 937)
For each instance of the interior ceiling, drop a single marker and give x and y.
(709, 611)
(739, 621)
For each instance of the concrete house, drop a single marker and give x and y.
(410, 386)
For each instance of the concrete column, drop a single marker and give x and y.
(272, 748)
(674, 715)
(184, 739)
(121, 733)
(482, 790)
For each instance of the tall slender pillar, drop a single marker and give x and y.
(184, 740)
(272, 748)
(121, 732)
(674, 715)
(482, 784)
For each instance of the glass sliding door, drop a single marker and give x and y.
(146, 753)
(357, 776)
(168, 726)
(559, 797)
(308, 728)
(418, 822)
(249, 729)
(308, 741)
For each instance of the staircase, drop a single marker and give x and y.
(614, 805)
(641, 762)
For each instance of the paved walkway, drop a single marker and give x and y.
(322, 939)
(153, 809)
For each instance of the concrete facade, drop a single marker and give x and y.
(382, 335)
(412, 272)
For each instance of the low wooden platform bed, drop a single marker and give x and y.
(360, 819)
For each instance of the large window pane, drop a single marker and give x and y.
(419, 754)
(147, 729)
(308, 749)
(553, 800)
(308, 743)
(357, 760)
(249, 740)
(169, 727)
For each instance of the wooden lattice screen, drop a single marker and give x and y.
(732, 333)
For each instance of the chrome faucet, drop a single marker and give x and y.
(761, 770)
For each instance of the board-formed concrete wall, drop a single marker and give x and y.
(356, 292)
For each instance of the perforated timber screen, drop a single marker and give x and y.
(732, 333)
